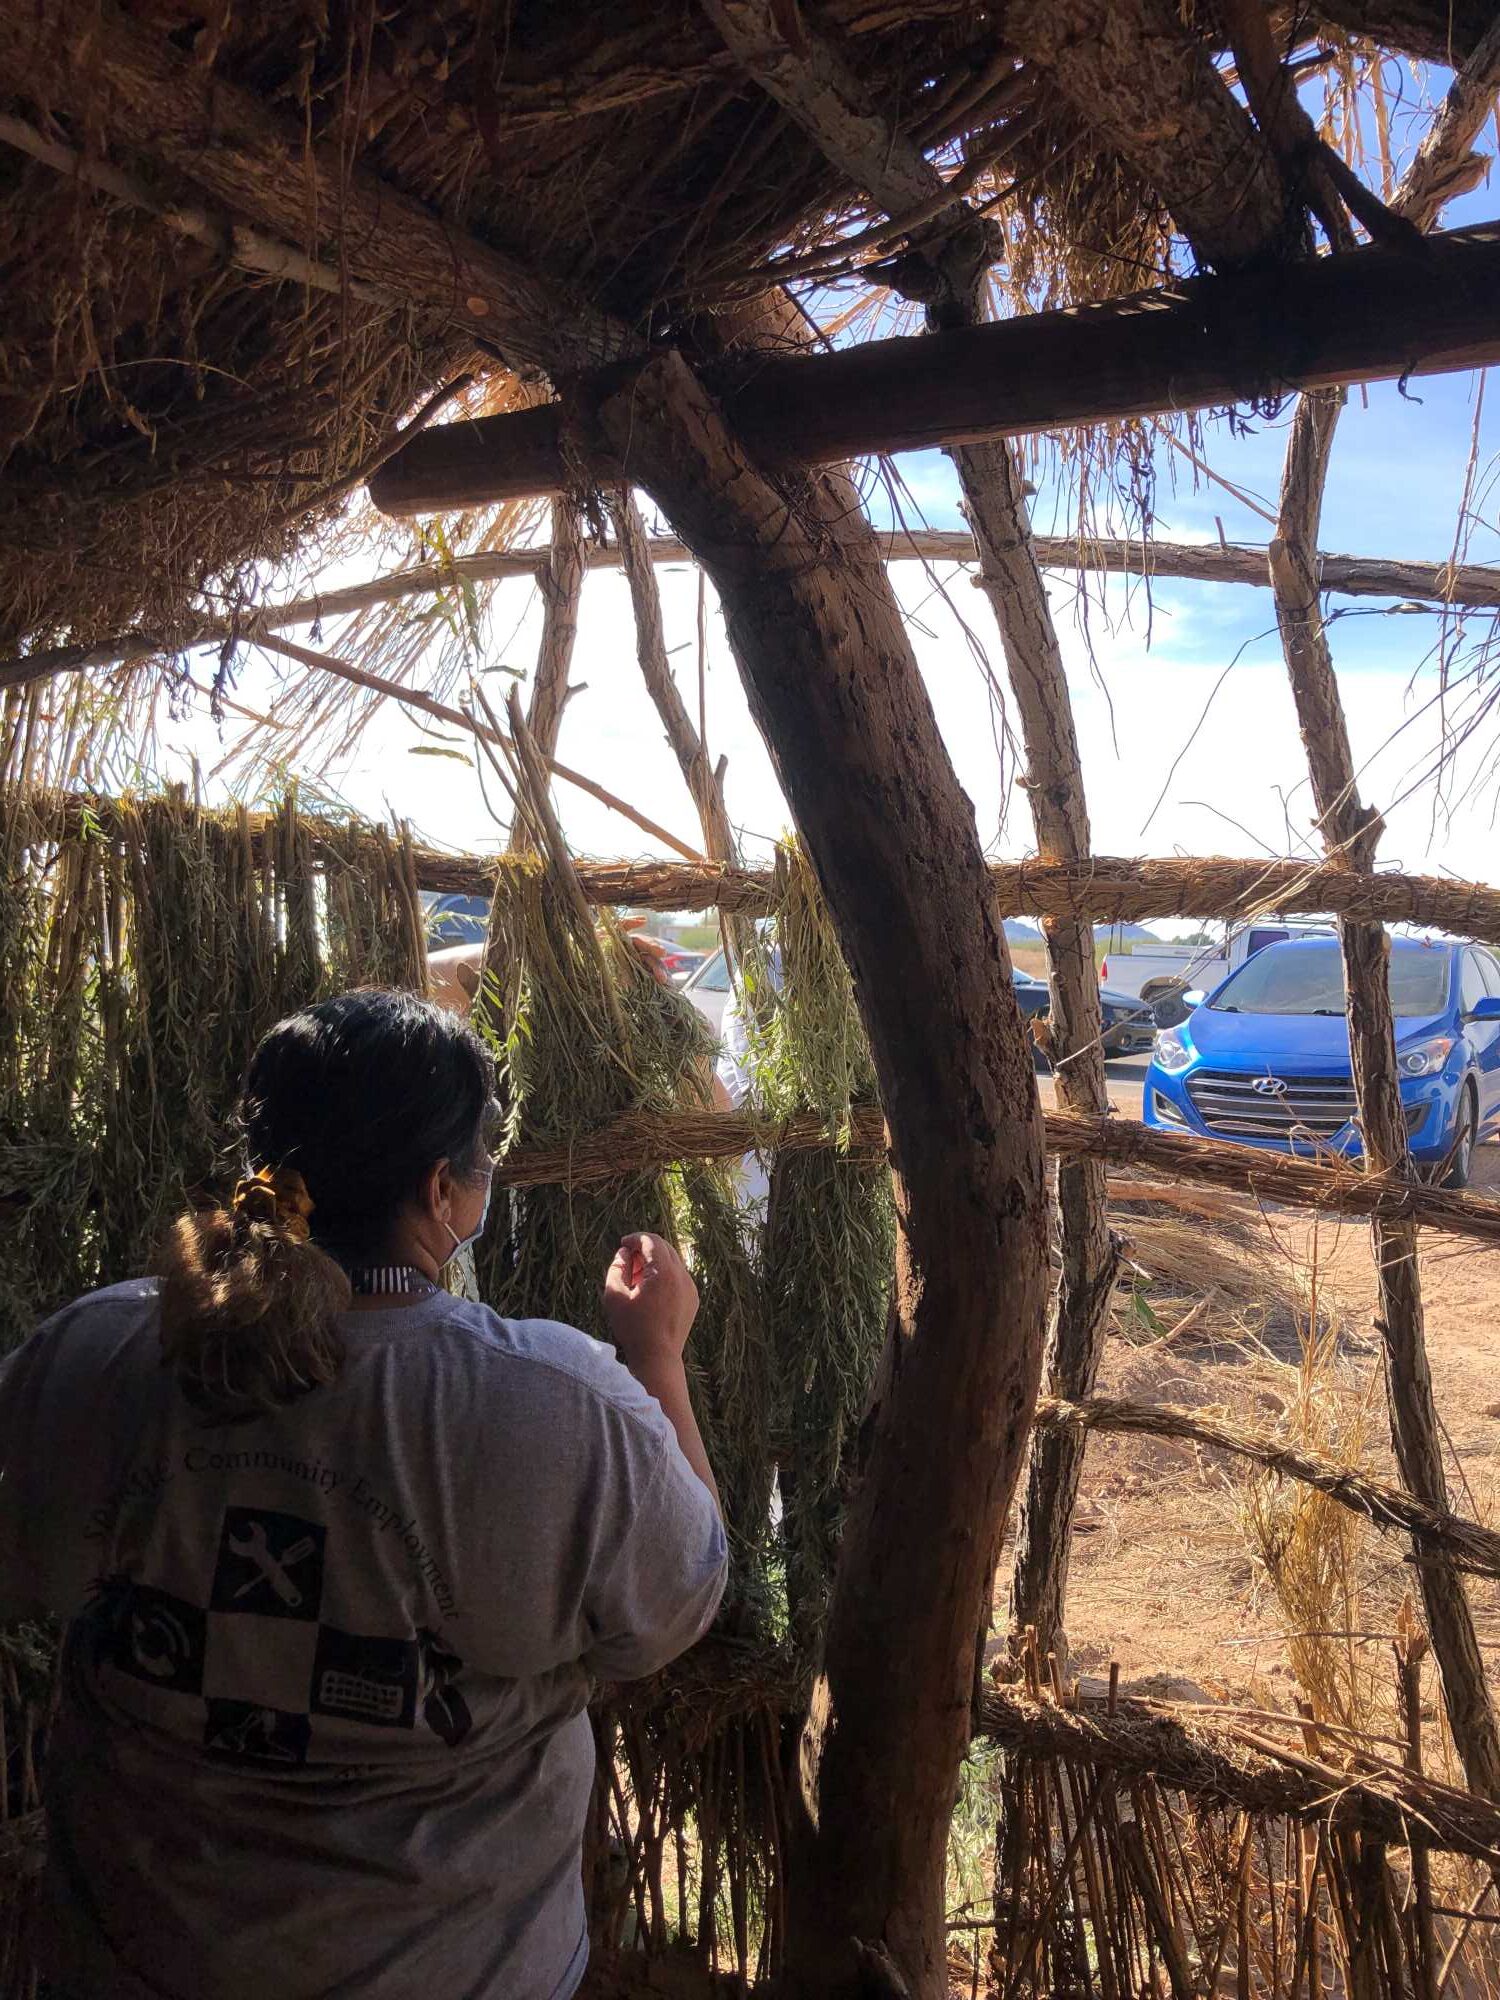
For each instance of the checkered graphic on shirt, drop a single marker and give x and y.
(263, 1662)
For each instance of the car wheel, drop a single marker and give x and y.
(1461, 1154)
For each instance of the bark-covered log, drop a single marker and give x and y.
(1365, 315)
(835, 688)
(815, 84)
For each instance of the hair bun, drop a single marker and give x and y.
(279, 1198)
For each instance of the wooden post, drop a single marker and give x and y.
(1350, 833)
(835, 688)
(812, 81)
(1012, 582)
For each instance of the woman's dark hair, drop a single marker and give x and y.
(361, 1096)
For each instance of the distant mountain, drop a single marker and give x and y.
(1020, 930)
(1126, 933)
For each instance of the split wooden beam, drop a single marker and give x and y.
(1364, 315)
(152, 102)
(644, 1142)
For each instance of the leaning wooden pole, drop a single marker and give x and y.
(835, 688)
(560, 580)
(1350, 832)
(1012, 581)
(703, 781)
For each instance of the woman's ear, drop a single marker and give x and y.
(435, 1191)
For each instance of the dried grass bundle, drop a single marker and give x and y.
(143, 951)
(830, 1232)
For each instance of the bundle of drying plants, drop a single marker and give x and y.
(830, 1228)
(584, 1032)
(145, 945)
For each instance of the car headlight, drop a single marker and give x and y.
(1171, 1053)
(1427, 1058)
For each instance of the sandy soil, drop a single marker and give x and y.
(1164, 1579)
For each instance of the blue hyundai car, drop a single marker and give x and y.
(1265, 1059)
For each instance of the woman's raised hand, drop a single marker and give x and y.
(650, 1300)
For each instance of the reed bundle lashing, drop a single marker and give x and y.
(646, 1138)
(1105, 889)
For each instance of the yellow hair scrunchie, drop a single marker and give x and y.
(278, 1197)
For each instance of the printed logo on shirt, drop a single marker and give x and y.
(270, 1564)
(242, 1732)
(365, 1680)
(153, 1636)
(444, 1709)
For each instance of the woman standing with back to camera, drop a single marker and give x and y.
(338, 1555)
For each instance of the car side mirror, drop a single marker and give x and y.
(1486, 1009)
(1194, 999)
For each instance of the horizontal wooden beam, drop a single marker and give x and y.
(644, 1141)
(1359, 316)
(1469, 1544)
(1470, 586)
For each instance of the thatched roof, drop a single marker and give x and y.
(241, 243)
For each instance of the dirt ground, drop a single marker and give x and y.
(1165, 1578)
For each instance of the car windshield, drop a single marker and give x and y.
(455, 920)
(1309, 979)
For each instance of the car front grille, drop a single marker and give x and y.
(1228, 1103)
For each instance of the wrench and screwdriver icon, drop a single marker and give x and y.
(273, 1568)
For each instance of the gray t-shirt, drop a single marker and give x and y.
(323, 1730)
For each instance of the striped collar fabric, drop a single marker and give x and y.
(390, 1280)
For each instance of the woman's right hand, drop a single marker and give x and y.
(650, 1300)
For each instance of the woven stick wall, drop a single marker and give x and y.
(148, 945)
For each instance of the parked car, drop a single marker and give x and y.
(1129, 1023)
(1265, 1059)
(455, 919)
(708, 988)
(1128, 1027)
(1163, 974)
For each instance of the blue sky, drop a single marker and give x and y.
(1167, 768)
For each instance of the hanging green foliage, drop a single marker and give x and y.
(830, 1231)
(145, 945)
